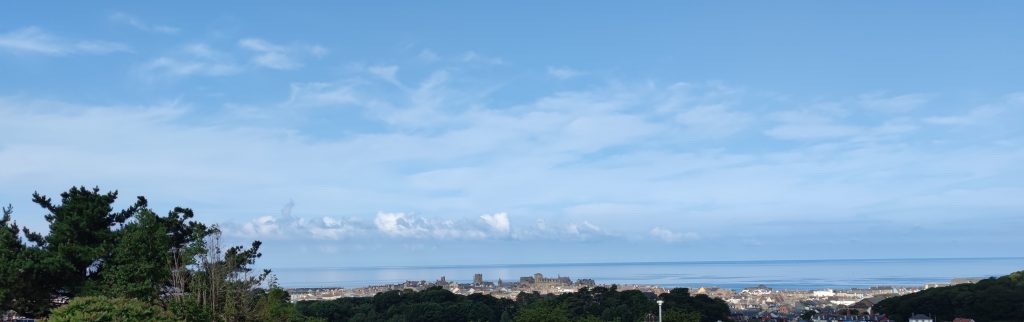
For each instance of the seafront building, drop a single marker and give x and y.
(534, 283)
(759, 302)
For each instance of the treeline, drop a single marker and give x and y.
(130, 265)
(992, 299)
(593, 304)
(100, 264)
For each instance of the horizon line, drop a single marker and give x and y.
(700, 262)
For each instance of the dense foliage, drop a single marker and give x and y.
(434, 304)
(593, 304)
(993, 299)
(104, 309)
(707, 308)
(130, 261)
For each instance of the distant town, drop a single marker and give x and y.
(756, 302)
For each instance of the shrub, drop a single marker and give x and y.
(105, 309)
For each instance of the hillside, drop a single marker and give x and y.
(993, 299)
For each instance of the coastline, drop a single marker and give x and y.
(779, 274)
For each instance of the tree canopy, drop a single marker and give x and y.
(130, 261)
(992, 299)
(586, 304)
(104, 309)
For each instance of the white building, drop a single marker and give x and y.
(824, 293)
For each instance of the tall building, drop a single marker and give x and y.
(478, 279)
(539, 278)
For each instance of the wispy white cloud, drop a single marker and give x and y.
(669, 236)
(321, 94)
(269, 55)
(317, 51)
(1008, 105)
(138, 23)
(201, 59)
(201, 50)
(812, 131)
(894, 103)
(563, 72)
(567, 231)
(428, 55)
(100, 47)
(714, 120)
(197, 59)
(591, 164)
(974, 116)
(280, 57)
(475, 57)
(179, 67)
(388, 73)
(809, 125)
(33, 40)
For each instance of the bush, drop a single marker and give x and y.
(188, 308)
(105, 309)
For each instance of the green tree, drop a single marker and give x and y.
(275, 307)
(992, 299)
(222, 280)
(11, 249)
(678, 315)
(104, 309)
(28, 275)
(81, 235)
(187, 242)
(332, 311)
(188, 309)
(173, 261)
(542, 313)
(138, 266)
(436, 304)
(709, 309)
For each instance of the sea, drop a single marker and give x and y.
(777, 274)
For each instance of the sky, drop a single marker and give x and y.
(424, 133)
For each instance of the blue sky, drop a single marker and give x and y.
(480, 133)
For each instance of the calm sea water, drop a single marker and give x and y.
(780, 274)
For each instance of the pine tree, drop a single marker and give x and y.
(82, 235)
(138, 266)
(27, 273)
(11, 249)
